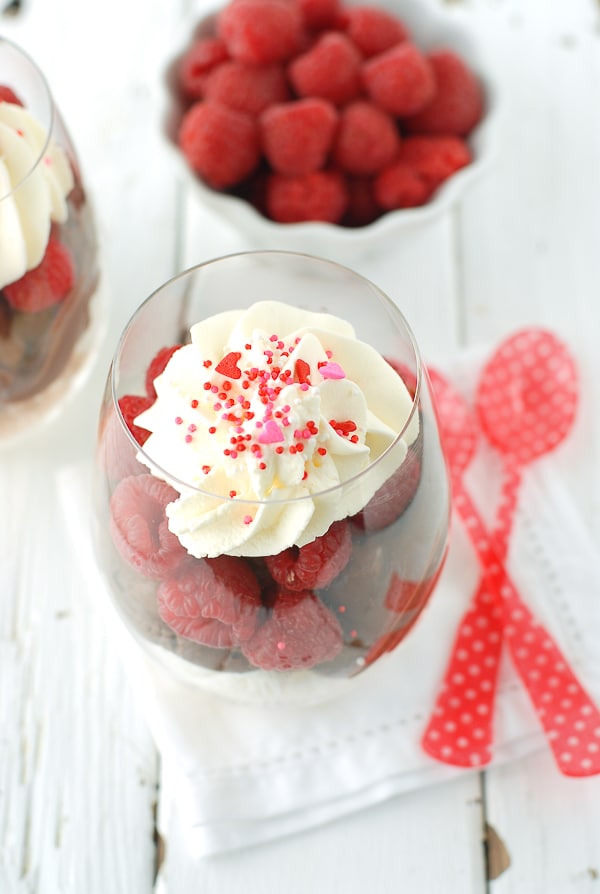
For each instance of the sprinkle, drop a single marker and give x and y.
(341, 609)
(247, 519)
(228, 365)
(304, 387)
(206, 469)
(232, 494)
(178, 420)
(281, 646)
(302, 370)
(207, 363)
(187, 439)
(194, 404)
(321, 451)
(332, 370)
(271, 433)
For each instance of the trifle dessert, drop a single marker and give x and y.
(272, 497)
(48, 251)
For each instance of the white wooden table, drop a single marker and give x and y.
(78, 770)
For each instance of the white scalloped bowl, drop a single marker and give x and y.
(430, 29)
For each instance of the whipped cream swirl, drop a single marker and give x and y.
(35, 180)
(260, 417)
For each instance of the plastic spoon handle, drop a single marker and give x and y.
(460, 730)
(568, 715)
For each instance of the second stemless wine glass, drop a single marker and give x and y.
(290, 594)
(49, 276)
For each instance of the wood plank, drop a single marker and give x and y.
(424, 841)
(529, 242)
(78, 769)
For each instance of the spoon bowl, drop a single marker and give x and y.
(527, 395)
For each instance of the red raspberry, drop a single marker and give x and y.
(116, 454)
(139, 525)
(261, 31)
(319, 14)
(247, 88)
(297, 136)
(425, 162)
(8, 95)
(435, 158)
(215, 602)
(315, 565)
(458, 103)
(131, 405)
(47, 284)
(374, 30)
(157, 366)
(394, 496)
(321, 195)
(300, 633)
(329, 69)
(220, 144)
(408, 599)
(197, 63)
(399, 186)
(362, 207)
(400, 80)
(367, 139)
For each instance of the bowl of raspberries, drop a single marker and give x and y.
(309, 123)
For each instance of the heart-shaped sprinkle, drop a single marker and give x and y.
(228, 365)
(332, 370)
(302, 372)
(271, 433)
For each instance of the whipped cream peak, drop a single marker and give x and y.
(35, 180)
(259, 420)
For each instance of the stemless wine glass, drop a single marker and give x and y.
(49, 274)
(291, 594)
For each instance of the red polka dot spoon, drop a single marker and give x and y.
(526, 402)
(526, 399)
(460, 729)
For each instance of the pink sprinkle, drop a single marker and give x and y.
(178, 420)
(271, 433)
(281, 646)
(214, 389)
(332, 370)
(188, 438)
(247, 519)
(304, 387)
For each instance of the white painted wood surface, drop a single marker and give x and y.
(78, 770)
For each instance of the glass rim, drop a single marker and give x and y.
(51, 107)
(348, 482)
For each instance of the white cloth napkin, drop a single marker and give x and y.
(243, 774)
